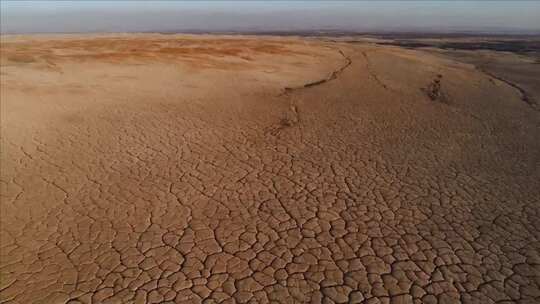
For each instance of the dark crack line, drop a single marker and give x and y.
(292, 116)
(332, 76)
(371, 73)
(524, 95)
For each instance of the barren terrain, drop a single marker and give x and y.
(241, 169)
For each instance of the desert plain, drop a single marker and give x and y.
(148, 168)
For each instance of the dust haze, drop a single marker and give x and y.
(259, 16)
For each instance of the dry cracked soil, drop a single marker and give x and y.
(218, 169)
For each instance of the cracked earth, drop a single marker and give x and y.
(203, 169)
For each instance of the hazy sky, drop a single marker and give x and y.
(125, 16)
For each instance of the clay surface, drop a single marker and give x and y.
(216, 169)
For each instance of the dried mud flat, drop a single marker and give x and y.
(206, 169)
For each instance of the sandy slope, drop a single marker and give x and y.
(178, 169)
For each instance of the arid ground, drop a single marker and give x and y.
(149, 168)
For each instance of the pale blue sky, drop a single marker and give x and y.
(128, 16)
